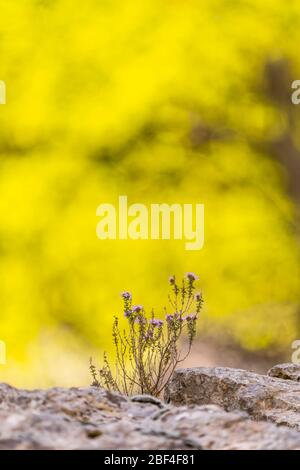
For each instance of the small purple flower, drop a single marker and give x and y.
(172, 280)
(140, 320)
(198, 297)
(127, 313)
(137, 308)
(181, 319)
(158, 323)
(149, 334)
(192, 277)
(191, 317)
(169, 317)
(126, 295)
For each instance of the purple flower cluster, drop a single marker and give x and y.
(191, 317)
(149, 334)
(169, 317)
(136, 312)
(126, 295)
(192, 277)
(137, 308)
(157, 323)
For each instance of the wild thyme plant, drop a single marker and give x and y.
(148, 350)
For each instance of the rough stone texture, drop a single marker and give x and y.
(286, 371)
(261, 396)
(91, 418)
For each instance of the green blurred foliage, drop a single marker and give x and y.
(165, 101)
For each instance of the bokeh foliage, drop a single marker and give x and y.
(165, 101)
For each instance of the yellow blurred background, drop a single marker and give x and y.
(163, 101)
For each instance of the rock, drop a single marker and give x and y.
(287, 371)
(147, 399)
(261, 396)
(210, 427)
(92, 418)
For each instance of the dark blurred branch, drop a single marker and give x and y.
(278, 79)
